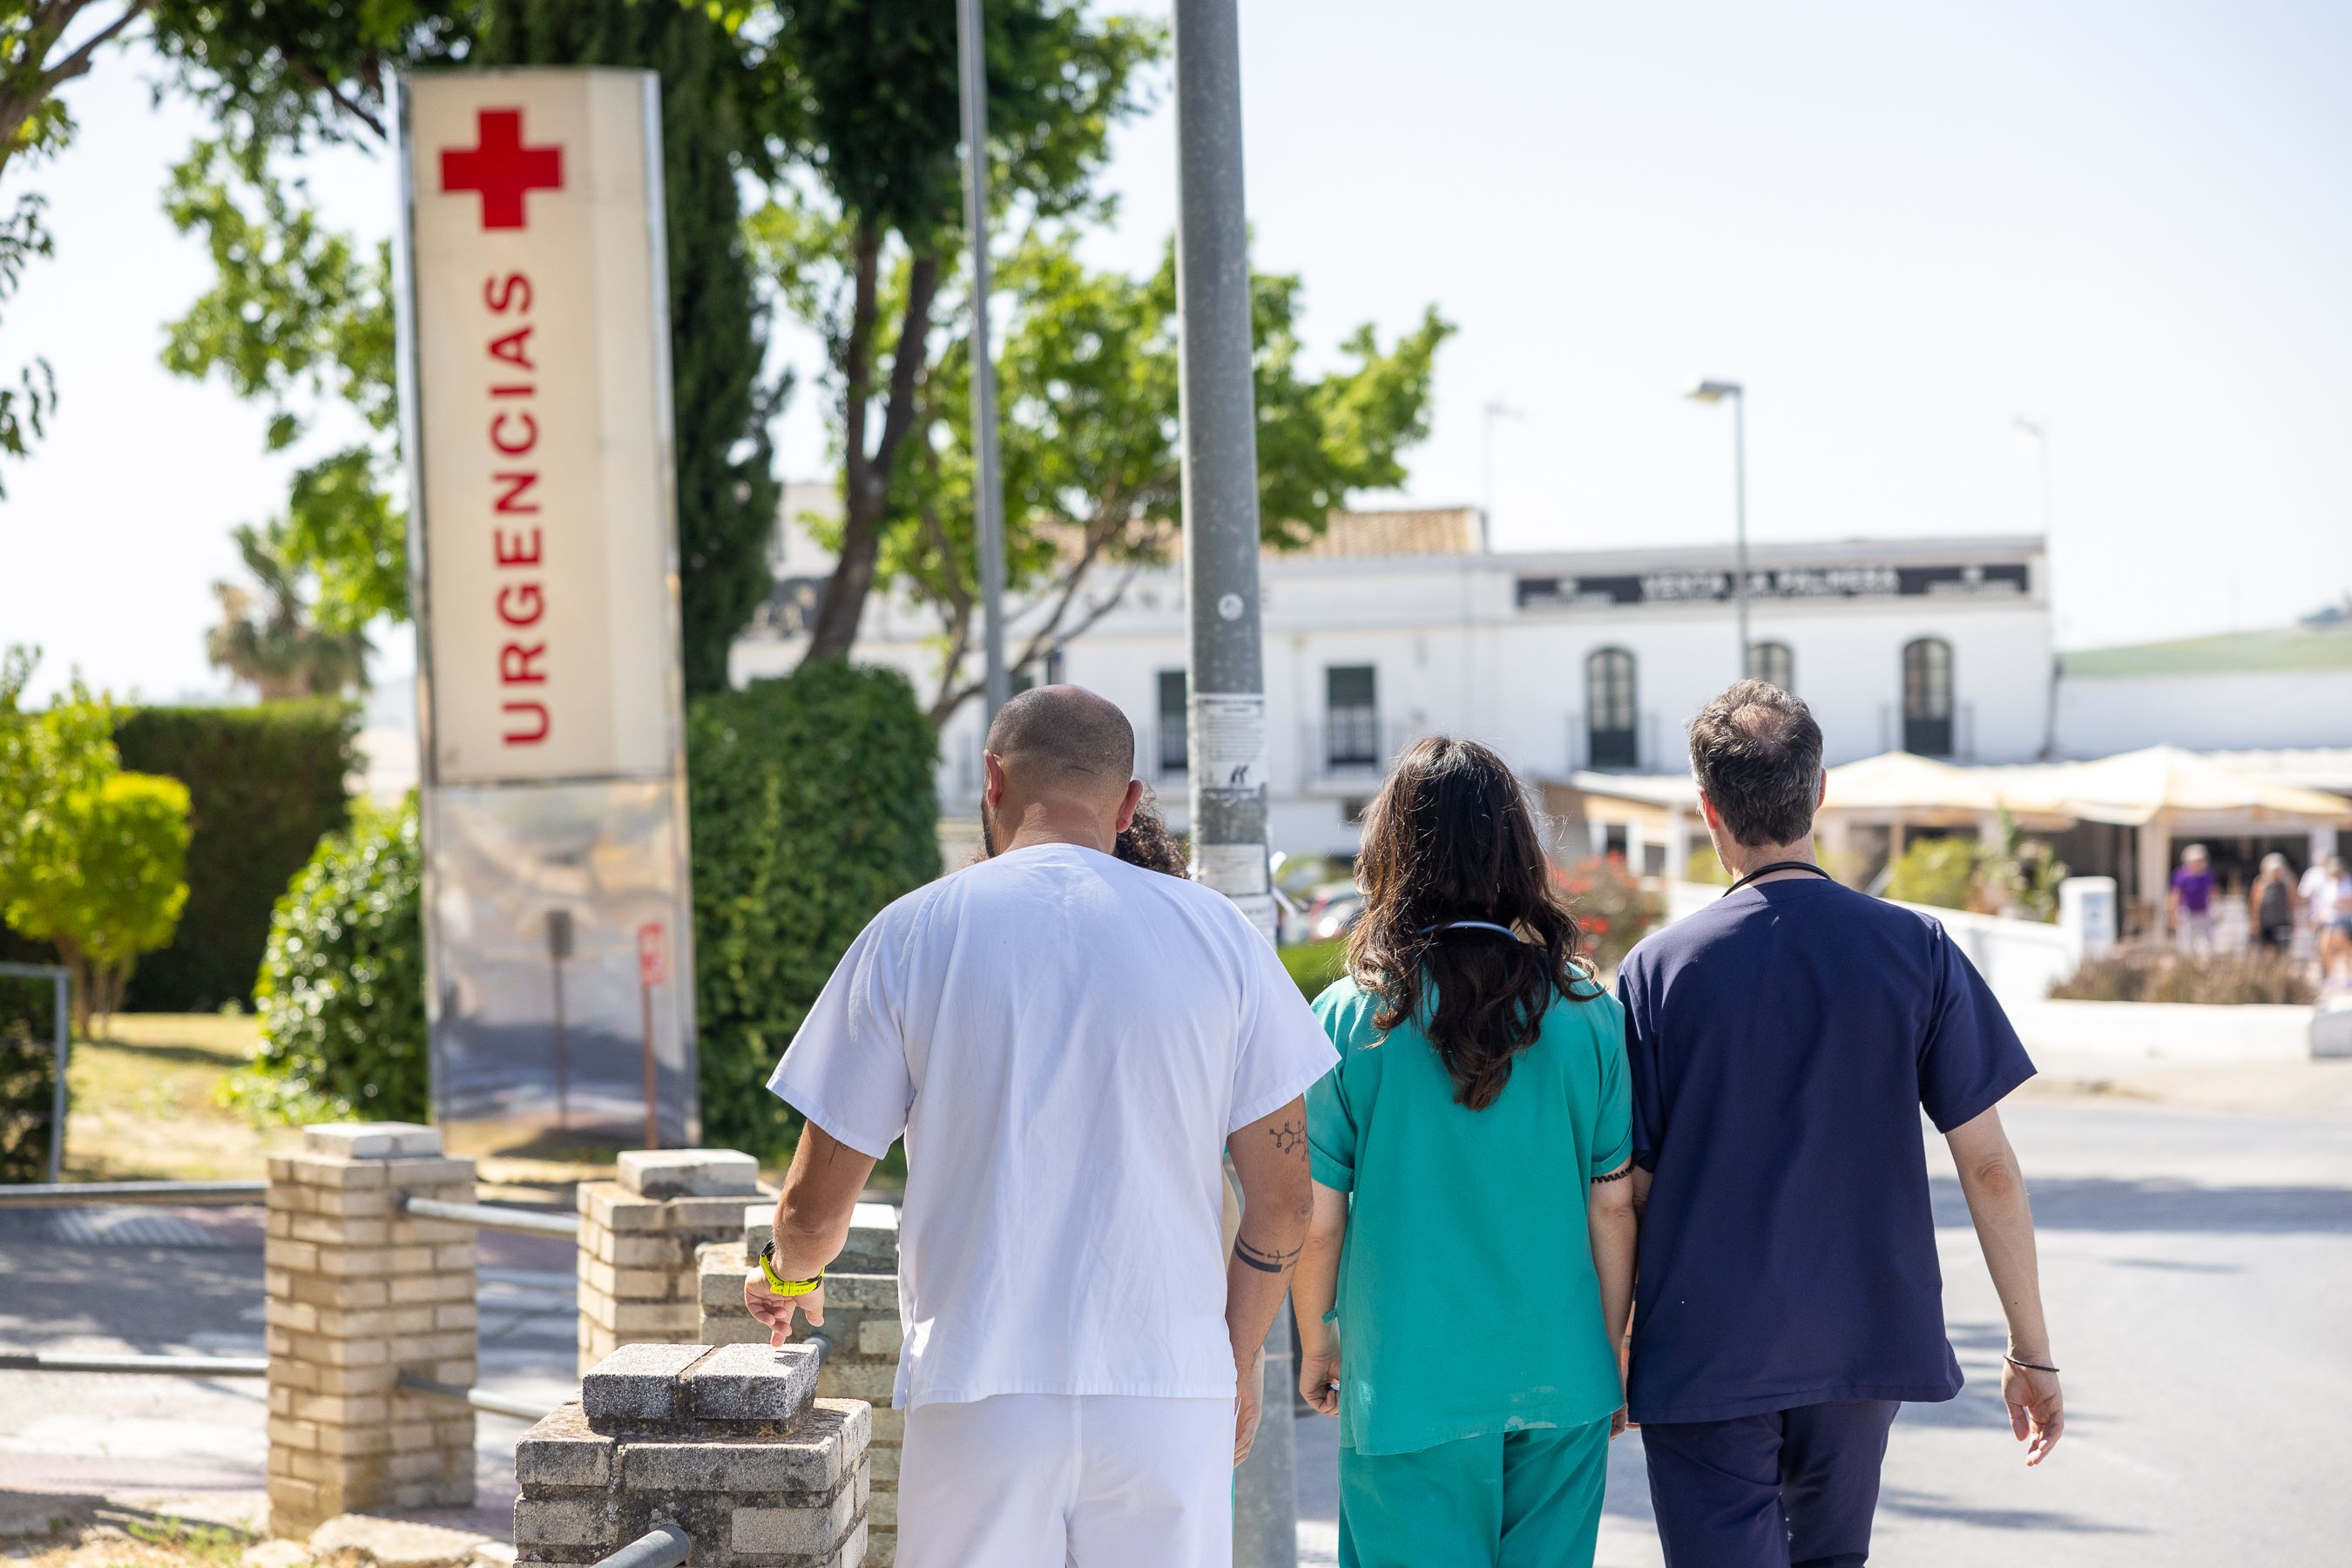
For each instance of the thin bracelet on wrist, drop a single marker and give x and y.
(2029, 1365)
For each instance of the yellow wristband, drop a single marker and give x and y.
(788, 1287)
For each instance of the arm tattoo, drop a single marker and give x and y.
(1290, 1138)
(1618, 1175)
(1262, 1260)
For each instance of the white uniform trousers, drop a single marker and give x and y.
(1039, 1480)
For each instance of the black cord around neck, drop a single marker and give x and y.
(1777, 865)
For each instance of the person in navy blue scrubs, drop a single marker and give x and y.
(1781, 1044)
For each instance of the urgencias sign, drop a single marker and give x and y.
(538, 417)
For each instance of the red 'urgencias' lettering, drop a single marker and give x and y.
(516, 548)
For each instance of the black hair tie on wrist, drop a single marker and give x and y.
(2027, 1365)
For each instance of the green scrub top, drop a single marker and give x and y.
(1467, 1302)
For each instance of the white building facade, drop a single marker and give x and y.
(1397, 624)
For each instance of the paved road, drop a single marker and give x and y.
(2198, 1268)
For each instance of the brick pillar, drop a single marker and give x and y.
(358, 1293)
(637, 1236)
(732, 1445)
(861, 1331)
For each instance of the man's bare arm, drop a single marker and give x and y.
(1269, 1159)
(812, 1226)
(1994, 1184)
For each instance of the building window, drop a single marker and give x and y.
(1612, 741)
(1927, 696)
(1173, 758)
(1772, 663)
(1351, 717)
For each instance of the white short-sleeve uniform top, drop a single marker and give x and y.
(1065, 1041)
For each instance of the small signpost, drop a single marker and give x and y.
(653, 968)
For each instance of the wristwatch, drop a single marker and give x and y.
(781, 1286)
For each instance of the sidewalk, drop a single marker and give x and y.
(2321, 1089)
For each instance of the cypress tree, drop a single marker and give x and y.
(726, 490)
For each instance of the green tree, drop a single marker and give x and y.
(862, 95)
(267, 638)
(92, 859)
(726, 490)
(301, 317)
(44, 45)
(1090, 438)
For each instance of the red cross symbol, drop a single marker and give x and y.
(501, 168)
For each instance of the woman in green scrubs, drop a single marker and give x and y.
(1469, 1272)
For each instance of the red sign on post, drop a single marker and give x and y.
(653, 953)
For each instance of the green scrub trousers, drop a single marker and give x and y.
(1528, 1498)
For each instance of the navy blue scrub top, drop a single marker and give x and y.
(1780, 1044)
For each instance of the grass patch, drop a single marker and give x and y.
(144, 1102)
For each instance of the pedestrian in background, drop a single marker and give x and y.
(2270, 906)
(2192, 901)
(1780, 1046)
(2329, 895)
(1471, 1153)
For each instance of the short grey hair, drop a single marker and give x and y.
(1757, 754)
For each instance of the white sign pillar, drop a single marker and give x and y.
(535, 404)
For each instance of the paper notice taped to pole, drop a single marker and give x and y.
(1229, 739)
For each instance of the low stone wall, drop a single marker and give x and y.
(733, 1444)
(861, 1333)
(357, 1294)
(637, 1238)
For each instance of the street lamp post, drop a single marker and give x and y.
(1717, 392)
(987, 489)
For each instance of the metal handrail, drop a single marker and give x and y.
(481, 1399)
(69, 1194)
(665, 1545)
(494, 1216)
(168, 1365)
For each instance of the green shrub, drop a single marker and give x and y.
(2232, 979)
(342, 989)
(813, 807)
(264, 785)
(28, 1075)
(1613, 910)
(1315, 964)
(1939, 872)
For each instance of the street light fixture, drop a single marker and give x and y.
(1717, 392)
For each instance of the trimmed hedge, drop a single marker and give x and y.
(264, 784)
(813, 807)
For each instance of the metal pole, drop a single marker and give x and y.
(1739, 486)
(1226, 685)
(63, 1030)
(987, 486)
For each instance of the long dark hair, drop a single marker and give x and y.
(1147, 841)
(1450, 838)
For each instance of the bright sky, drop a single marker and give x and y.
(1900, 226)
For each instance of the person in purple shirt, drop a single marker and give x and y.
(1780, 1046)
(2192, 900)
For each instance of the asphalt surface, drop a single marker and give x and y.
(2198, 1269)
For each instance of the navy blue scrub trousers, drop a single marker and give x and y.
(1789, 1488)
